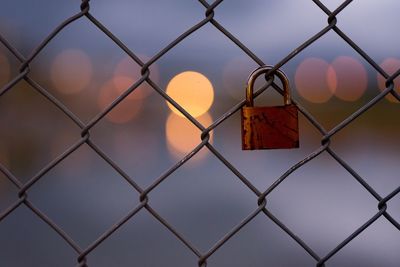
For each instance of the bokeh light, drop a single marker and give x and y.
(124, 111)
(183, 136)
(130, 71)
(5, 72)
(71, 71)
(311, 80)
(193, 91)
(235, 76)
(349, 81)
(122, 83)
(390, 65)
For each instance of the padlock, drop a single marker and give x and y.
(269, 127)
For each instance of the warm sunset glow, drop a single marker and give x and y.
(183, 136)
(129, 69)
(124, 111)
(390, 65)
(311, 80)
(71, 71)
(5, 72)
(235, 76)
(193, 91)
(351, 78)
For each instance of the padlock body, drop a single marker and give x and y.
(270, 127)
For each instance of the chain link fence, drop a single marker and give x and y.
(260, 195)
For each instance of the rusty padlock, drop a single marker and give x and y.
(269, 127)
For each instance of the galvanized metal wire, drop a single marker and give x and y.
(261, 196)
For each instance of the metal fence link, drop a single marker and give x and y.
(260, 198)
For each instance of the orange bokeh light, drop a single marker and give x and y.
(349, 80)
(71, 71)
(122, 83)
(124, 111)
(193, 91)
(311, 80)
(183, 136)
(390, 65)
(5, 72)
(130, 70)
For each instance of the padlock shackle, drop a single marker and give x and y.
(264, 69)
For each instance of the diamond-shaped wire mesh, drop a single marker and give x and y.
(144, 205)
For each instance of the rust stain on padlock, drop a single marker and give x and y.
(269, 127)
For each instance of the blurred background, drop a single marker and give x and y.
(206, 73)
